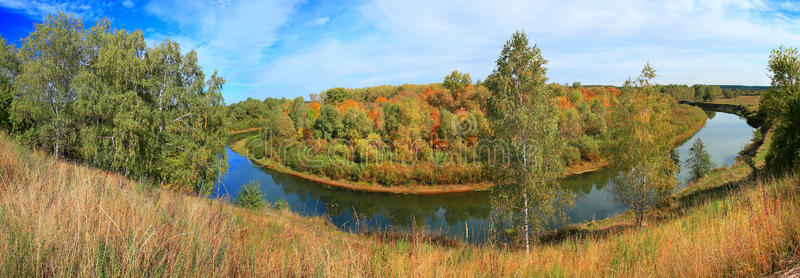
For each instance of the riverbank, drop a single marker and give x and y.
(238, 147)
(64, 219)
(576, 169)
(746, 106)
(718, 179)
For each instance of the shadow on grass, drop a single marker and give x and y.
(578, 232)
(702, 196)
(418, 237)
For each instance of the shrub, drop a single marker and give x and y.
(594, 124)
(282, 205)
(588, 147)
(250, 196)
(575, 96)
(258, 151)
(571, 155)
(423, 173)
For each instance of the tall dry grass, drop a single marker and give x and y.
(62, 219)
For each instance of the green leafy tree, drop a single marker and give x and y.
(189, 123)
(272, 103)
(102, 96)
(675, 156)
(52, 57)
(110, 115)
(250, 196)
(329, 123)
(335, 95)
(279, 125)
(356, 124)
(447, 125)
(781, 103)
(9, 68)
(647, 173)
(524, 127)
(457, 83)
(298, 113)
(699, 161)
(391, 118)
(473, 125)
(250, 109)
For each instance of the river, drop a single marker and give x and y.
(464, 215)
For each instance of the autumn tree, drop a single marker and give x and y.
(647, 173)
(524, 126)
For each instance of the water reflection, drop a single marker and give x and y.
(457, 215)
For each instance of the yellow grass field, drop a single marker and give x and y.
(63, 219)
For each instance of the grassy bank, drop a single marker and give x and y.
(62, 219)
(749, 102)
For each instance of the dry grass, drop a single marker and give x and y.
(63, 219)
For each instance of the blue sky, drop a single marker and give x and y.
(288, 48)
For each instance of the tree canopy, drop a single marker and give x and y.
(641, 122)
(104, 97)
(781, 103)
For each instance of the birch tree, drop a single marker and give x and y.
(642, 151)
(524, 137)
(52, 57)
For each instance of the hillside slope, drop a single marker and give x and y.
(62, 219)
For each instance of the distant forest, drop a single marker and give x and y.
(700, 92)
(414, 134)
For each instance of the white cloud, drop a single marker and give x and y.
(128, 4)
(229, 36)
(419, 41)
(600, 42)
(42, 8)
(321, 20)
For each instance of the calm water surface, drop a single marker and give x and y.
(458, 215)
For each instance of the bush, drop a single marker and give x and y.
(594, 124)
(250, 196)
(424, 173)
(571, 155)
(588, 147)
(575, 96)
(282, 205)
(258, 151)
